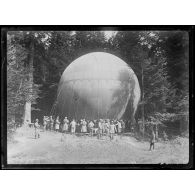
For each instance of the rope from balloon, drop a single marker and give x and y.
(55, 103)
(62, 107)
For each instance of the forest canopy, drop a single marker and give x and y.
(160, 59)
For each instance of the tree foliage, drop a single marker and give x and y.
(16, 55)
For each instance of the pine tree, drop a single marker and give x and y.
(176, 47)
(16, 55)
(24, 44)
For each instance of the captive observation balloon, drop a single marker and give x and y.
(97, 85)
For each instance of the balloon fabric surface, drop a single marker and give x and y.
(97, 85)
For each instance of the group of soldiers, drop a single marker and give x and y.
(100, 127)
(97, 127)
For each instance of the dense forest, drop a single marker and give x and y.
(160, 59)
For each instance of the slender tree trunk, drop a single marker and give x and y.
(27, 107)
(16, 109)
(143, 118)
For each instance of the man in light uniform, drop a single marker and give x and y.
(91, 126)
(57, 124)
(100, 129)
(84, 126)
(37, 126)
(152, 139)
(73, 126)
(119, 127)
(112, 130)
(103, 126)
(65, 125)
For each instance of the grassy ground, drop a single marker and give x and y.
(49, 149)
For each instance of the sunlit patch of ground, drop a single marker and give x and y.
(49, 149)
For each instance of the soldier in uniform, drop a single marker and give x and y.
(95, 128)
(91, 126)
(65, 124)
(112, 130)
(57, 124)
(103, 126)
(100, 129)
(116, 126)
(84, 126)
(119, 127)
(37, 126)
(73, 126)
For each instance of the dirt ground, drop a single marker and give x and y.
(49, 149)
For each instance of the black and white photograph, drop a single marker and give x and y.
(97, 96)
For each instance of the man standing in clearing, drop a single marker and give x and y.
(119, 127)
(57, 124)
(65, 125)
(84, 126)
(103, 127)
(100, 129)
(91, 126)
(152, 139)
(112, 130)
(73, 126)
(37, 126)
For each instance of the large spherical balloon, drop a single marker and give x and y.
(97, 85)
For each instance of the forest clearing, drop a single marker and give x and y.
(49, 149)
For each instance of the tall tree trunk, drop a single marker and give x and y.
(27, 107)
(143, 118)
